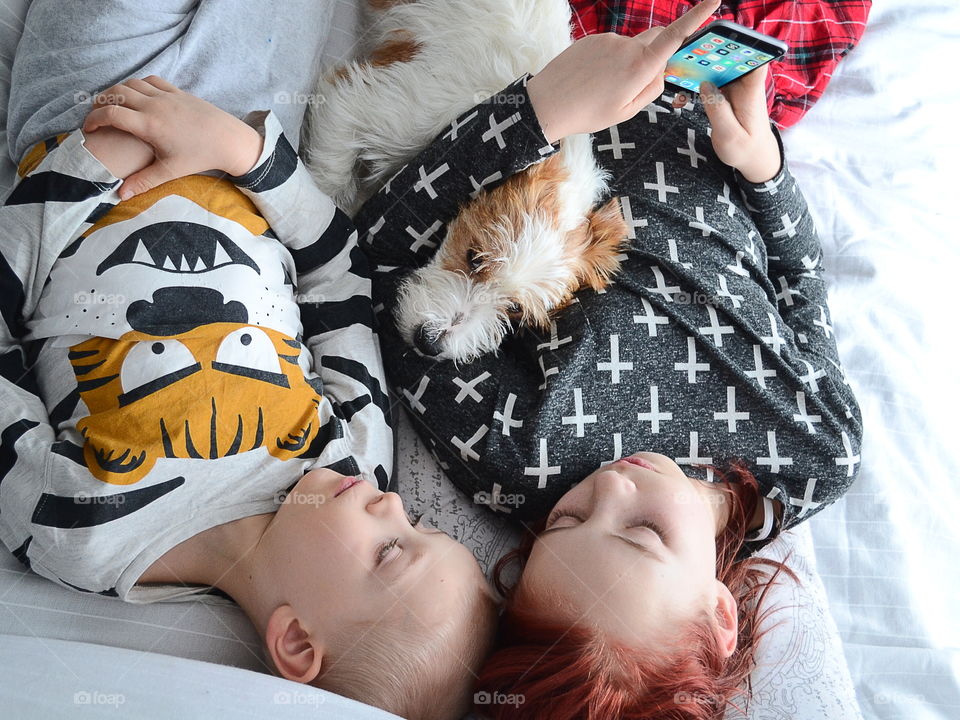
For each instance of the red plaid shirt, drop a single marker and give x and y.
(819, 32)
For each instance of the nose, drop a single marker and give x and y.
(428, 341)
(385, 505)
(611, 487)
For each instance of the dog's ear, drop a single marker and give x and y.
(606, 238)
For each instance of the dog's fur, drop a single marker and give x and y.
(516, 253)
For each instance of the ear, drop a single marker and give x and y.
(725, 613)
(296, 654)
(606, 238)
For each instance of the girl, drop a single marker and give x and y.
(712, 352)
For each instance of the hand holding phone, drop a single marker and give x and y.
(720, 53)
(741, 134)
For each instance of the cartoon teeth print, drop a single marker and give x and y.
(213, 391)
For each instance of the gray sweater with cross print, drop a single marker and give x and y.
(713, 344)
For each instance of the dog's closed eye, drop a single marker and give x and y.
(474, 260)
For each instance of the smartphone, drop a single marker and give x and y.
(721, 52)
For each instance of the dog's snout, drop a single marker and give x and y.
(428, 341)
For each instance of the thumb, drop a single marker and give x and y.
(147, 179)
(715, 105)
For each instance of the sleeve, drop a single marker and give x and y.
(802, 334)
(333, 295)
(403, 223)
(62, 189)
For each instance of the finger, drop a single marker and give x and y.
(159, 83)
(147, 179)
(718, 109)
(117, 116)
(669, 41)
(143, 87)
(749, 99)
(118, 94)
(647, 36)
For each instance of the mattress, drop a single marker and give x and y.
(879, 586)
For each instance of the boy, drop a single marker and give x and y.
(193, 397)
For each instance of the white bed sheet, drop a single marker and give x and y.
(876, 158)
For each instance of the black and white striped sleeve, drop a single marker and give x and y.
(333, 295)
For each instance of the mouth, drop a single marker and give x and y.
(638, 461)
(346, 484)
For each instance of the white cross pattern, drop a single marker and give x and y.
(497, 128)
(654, 417)
(652, 110)
(731, 416)
(662, 288)
(803, 416)
(469, 389)
(466, 448)
(615, 145)
(823, 323)
(691, 367)
(691, 149)
(715, 329)
(773, 459)
(506, 417)
(426, 180)
(455, 126)
(615, 367)
(806, 502)
(694, 457)
(771, 186)
(547, 372)
(737, 268)
(492, 503)
(774, 339)
(617, 449)
(724, 292)
(545, 470)
(414, 398)
(650, 318)
(701, 224)
(810, 265)
(751, 249)
(760, 373)
(375, 228)
(555, 341)
(423, 239)
(850, 460)
(786, 292)
(389, 184)
(726, 200)
(632, 223)
(579, 419)
(479, 186)
(674, 255)
(661, 185)
(789, 226)
(810, 379)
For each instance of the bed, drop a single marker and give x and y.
(870, 632)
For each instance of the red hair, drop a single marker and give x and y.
(543, 669)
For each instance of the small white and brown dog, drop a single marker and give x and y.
(515, 254)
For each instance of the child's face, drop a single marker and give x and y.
(631, 549)
(348, 553)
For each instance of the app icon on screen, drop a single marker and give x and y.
(713, 57)
(687, 83)
(723, 52)
(741, 68)
(716, 40)
(703, 62)
(673, 78)
(699, 51)
(763, 58)
(747, 51)
(708, 46)
(689, 57)
(732, 46)
(738, 58)
(752, 63)
(718, 68)
(728, 62)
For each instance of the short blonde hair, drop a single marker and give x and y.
(416, 671)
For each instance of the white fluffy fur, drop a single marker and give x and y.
(378, 118)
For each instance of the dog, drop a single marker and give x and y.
(517, 253)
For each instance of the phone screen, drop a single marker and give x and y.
(713, 57)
